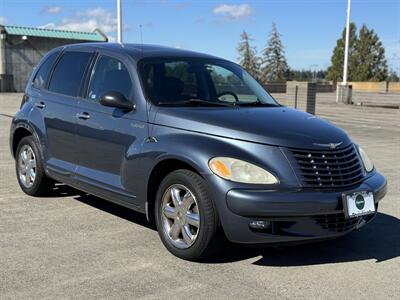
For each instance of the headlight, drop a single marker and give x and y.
(365, 159)
(240, 171)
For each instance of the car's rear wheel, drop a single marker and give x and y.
(186, 218)
(29, 168)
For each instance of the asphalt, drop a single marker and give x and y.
(73, 245)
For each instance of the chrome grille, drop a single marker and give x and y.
(330, 168)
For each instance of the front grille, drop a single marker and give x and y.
(328, 169)
(336, 222)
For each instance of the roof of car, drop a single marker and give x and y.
(139, 51)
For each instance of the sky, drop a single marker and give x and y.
(309, 28)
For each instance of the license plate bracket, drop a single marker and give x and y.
(358, 204)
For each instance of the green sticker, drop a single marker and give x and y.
(360, 202)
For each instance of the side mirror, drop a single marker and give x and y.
(116, 99)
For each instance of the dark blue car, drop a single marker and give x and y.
(192, 141)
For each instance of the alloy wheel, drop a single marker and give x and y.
(180, 216)
(27, 166)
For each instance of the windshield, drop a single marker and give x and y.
(184, 82)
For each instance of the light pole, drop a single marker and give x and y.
(346, 47)
(343, 91)
(119, 22)
(313, 69)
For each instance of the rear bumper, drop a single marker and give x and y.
(294, 215)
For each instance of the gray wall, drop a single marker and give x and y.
(304, 94)
(22, 56)
(275, 87)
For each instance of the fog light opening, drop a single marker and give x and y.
(260, 224)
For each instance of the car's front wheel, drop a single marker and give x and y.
(186, 218)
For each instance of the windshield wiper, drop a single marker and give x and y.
(256, 103)
(195, 102)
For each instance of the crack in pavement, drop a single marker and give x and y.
(6, 115)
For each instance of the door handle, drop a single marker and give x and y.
(83, 116)
(40, 105)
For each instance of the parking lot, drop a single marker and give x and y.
(72, 245)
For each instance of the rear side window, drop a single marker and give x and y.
(110, 75)
(42, 75)
(68, 74)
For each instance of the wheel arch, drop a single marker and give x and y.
(158, 173)
(19, 133)
(21, 130)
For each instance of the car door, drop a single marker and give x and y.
(58, 104)
(106, 136)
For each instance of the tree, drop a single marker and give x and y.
(370, 57)
(248, 58)
(366, 57)
(274, 64)
(306, 75)
(335, 71)
(393, 76)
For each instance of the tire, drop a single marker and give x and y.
(39, 184)
(204, 239)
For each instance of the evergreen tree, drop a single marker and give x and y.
(393, 76)
(370, 57)
(335, 71)
(274, 64)
(366, 57)
(248, 55)
(306, 75)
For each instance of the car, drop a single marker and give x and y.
(192, 141)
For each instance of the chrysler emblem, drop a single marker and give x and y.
(330, 145)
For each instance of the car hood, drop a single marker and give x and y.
(280, 126)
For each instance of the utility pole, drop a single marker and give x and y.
(119, 22)
(346, 48)
(313, 69)
(344, 94)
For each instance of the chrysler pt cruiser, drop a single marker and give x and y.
(192, 141)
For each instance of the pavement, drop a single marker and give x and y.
(73, 245)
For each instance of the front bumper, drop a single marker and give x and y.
(293, 215)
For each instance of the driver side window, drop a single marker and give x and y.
(110, 74)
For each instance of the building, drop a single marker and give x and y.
(21, 48)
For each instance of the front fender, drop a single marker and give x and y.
(196, 149)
